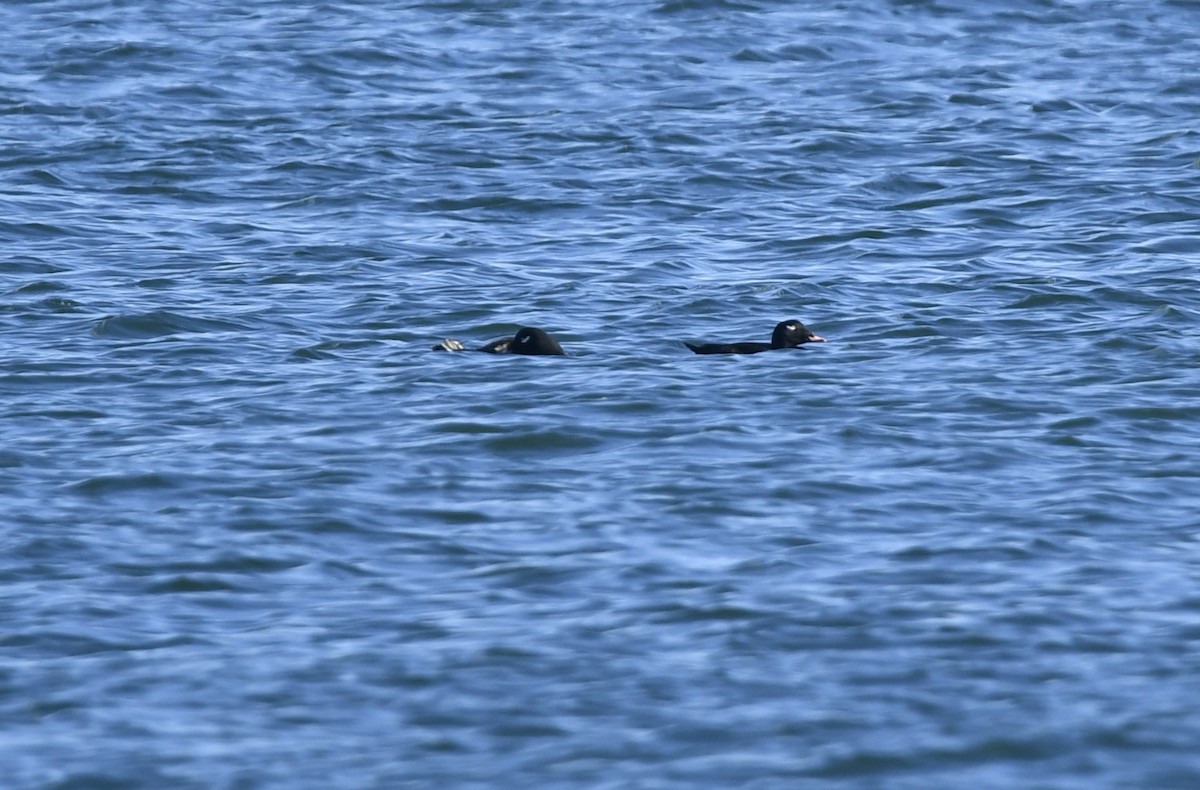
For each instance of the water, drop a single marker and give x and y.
(256, 534)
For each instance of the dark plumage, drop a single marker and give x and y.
(787, 334)
(528, 340)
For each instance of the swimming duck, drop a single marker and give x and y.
(787, 334)
(528, 340)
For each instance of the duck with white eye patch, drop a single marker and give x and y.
(787, 334)
(529, 341)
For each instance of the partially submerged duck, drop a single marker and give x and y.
(787, 334)
(529, 340)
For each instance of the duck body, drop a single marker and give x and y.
(528, 341)
(787, 334)
(729, 348)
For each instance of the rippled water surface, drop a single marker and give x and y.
(257, 534)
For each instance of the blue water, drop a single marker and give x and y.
(257, 534)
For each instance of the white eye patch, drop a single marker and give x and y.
(791, 327)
